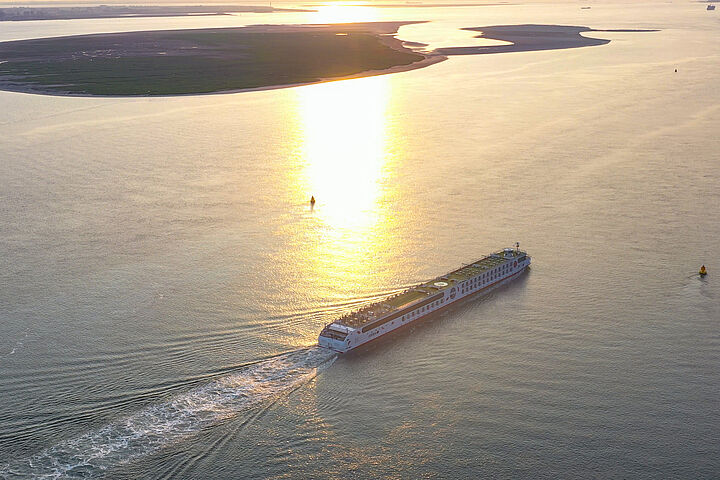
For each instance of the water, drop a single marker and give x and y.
(164, 279)
(161, 424)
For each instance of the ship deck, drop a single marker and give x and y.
(397, 302)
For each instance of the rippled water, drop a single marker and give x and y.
(163, 278)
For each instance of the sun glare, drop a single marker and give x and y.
(345, 155)
(343, 13)
(345, 137)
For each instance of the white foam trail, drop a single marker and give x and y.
(18, 343)
(90, 455)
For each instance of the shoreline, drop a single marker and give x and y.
(430, 59)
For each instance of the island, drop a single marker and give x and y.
(222, 60)
(177, 62)
(531, 37)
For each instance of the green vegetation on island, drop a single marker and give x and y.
(198, 61)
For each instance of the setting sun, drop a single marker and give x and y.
(344, 13)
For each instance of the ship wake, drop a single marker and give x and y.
(94, 453)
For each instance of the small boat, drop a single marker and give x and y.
(711, 7)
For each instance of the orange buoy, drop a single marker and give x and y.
(703, 271)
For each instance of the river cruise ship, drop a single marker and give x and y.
(378, 319)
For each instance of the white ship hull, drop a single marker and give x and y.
(439, 294)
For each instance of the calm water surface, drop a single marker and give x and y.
(163, 279)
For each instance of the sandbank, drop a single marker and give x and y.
(525, 38)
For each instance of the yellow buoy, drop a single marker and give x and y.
(703, 271)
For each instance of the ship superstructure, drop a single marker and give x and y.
(373, 321)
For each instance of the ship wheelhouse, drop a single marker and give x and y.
(333, 334)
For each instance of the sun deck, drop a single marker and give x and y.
(476, 268)
(415, 294)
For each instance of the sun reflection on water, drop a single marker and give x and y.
(345, 137)
(346, 166)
